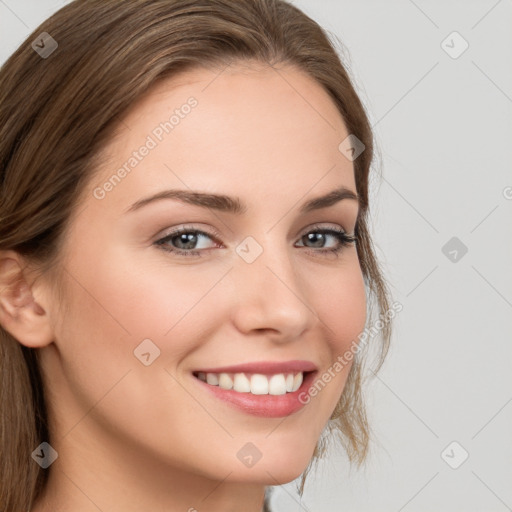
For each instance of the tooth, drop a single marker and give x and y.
(212, 379)
(297, 381)
(225, 381)
(241, 383)
(259, 384)
(289, 382)
(277, 385)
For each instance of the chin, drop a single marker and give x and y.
(278, 474)
(275, 467)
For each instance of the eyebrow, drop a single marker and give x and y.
(233, 205)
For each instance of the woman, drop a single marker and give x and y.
(185, 261)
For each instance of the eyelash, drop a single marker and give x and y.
(344, 240)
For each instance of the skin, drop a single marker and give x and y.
(133, 437)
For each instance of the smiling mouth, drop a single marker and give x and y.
(255, 383)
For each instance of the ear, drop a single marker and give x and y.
(24, 318)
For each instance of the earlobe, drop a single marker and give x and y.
(20, 315)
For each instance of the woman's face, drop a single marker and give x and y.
(258, 285)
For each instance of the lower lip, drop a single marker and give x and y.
(267, 406)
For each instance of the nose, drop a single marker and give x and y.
(271, 298)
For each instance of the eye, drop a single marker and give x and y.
(185, 241)
(190, 242)
(319, 236)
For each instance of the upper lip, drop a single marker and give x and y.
(264, 367)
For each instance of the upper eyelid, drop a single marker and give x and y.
(216, 235)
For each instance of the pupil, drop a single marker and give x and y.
(187, 238)
(312, 237)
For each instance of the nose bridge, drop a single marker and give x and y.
(269, 289)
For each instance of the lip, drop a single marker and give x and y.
(264, 367)
(266, 406)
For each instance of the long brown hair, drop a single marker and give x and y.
(56, 113)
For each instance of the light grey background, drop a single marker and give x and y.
(444, 129)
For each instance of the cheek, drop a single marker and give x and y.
(137, 298)
(341, 305)
(115, 304)
(170, 305)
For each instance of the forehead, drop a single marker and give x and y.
(245, 128)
